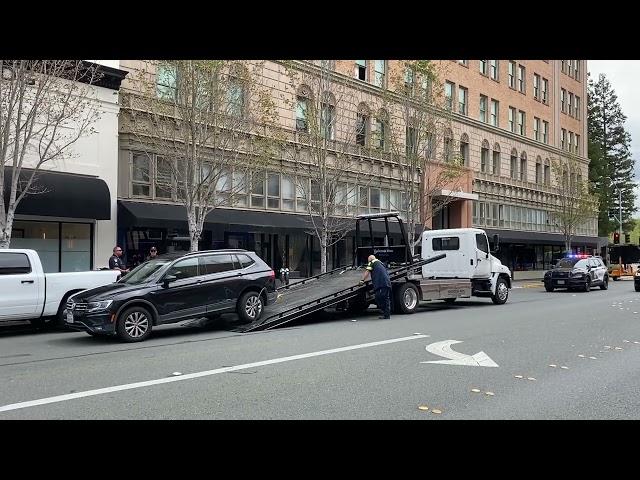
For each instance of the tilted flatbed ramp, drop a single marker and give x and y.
(319, 292)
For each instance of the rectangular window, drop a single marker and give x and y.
(240, 189)
(570, 67)
(302, 187)
(577, 70)
(545, 131)
(523, 169)
(570, 104)
(379, 134)
(448, 94)
(493, 69)
(522, 118)
(484, 160)
(536, 86)
(538, 173)
(495, 166)
(577, 146)
(545, 88)
(514, 167)
(494, 112)
(547, 175)
(462, 100)
(536, 129)
(140, 175)
(483, 67)
(273, 190)
(570, 142)
(361, 129)
(164, 178)
(521, 79)
(483, 108)
(512, 73)
(577, 107)
(166, 82)
(563, 139)
(257, 190)
(235, 98)
(361, 70)
(288, 194)
(445, 243)
(379, 67)
(512, 119)
(563, 100)
(374, 199)
(412, 138)
(302, 109)
(327, 121)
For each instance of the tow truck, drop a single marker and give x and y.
(463, 267)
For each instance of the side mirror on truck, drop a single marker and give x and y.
(496, 243)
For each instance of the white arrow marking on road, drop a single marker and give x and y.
(443, 349)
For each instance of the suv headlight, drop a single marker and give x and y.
(93, 307)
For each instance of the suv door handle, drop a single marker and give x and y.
(27, 281)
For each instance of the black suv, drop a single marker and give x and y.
(577, 271)
(172, 288)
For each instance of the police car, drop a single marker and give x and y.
(577, 272)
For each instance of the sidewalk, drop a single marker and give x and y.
(531, 283)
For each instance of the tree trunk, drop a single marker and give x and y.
(323, 252)
(5, 230)
(194, 231)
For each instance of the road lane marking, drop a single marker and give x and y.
(149, 383)
(443, 349)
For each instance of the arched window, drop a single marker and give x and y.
(464, 149)
(539, 170)
(380, 132)
(448, 145)
(484, 157)
(328, 116)
(303, 104)
(514, 164)
(363, 122)
(495, 165)
(523, 166)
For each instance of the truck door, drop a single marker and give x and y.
(20, 296)
(483, 264)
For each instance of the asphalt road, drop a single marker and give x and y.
(345, 369)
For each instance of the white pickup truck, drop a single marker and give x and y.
(27, 293)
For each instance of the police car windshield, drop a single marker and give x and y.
(573, 263)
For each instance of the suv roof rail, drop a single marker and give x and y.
(221, 250)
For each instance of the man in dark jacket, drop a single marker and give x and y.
(381, 284)
(115, 262)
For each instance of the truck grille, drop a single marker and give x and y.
(561, 274)
(76, 307)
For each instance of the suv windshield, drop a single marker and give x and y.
(572, 263)
(142, 272)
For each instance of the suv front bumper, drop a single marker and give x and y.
(93, 322)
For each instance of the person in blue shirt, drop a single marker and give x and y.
(381, 284)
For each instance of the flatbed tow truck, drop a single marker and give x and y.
(463, 268)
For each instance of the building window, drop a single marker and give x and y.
(288, 194)
(483, 108)
(523, 167)
(164, 178)
(483, 67)
(257, 190)
(464, 149)
(362, 127)
(545, 132)
(302, 114)
(361, 70)
(409, 81)
(570, 67)
(166, 83)
(570, 104)
(494, 112)
(577, 107)
(563, 100)
(302, 187)
(577, 70)
(570, 142)
(495, 165)
(462, 100)
(448, 150)
(236, 98)
(379, 67)
(563, 141)
(563, 66)
(536, 86)
(521, 79)
(512, 73)
(545, 89)
(380, 134)
(484, 157)
(448, 94)
(327, 121)
(514, 165)
(493, 69)
(273, 190)
(547, 173)
(412, 140)
(522, 118)
(512, 119)
(140, 175)
(463, 62)
(538, 170)
(577, 146)
(536, 129)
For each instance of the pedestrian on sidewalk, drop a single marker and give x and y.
(381, 284)
(115, 262)
(153, 253)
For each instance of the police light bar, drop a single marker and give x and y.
(577, 256)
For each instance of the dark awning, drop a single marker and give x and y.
(148, 214)
(64, 195)
(539, 238)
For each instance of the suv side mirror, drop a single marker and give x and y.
(496, 242)
(167, 280)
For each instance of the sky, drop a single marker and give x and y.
(624, 76)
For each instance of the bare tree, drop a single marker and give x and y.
(323, 161)
(209, 125)
(575, 203)
(46, 106)
(421, 140)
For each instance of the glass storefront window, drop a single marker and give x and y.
(76, 247)
(44, 237)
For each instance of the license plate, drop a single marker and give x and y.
(560, 282)
(69, 317)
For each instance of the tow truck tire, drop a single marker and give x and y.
(406, 298)
(615, 279)
(502, 292)
(605, 283)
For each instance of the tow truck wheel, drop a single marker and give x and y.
(615, 279)
(605, 283)
(406, 298)
(502, 292)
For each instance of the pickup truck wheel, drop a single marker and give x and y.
(502, 292)
(250, 307)
(134, 324)
(406, 298)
